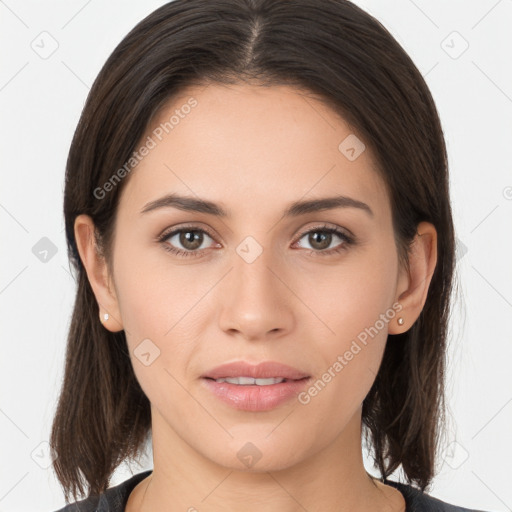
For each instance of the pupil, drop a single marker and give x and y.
(324, 237)
(190, 242)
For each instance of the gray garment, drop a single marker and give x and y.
(115, 498)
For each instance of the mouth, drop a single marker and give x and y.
(255, 388)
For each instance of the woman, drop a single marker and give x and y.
(257, 207)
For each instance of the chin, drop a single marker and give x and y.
(258, 454)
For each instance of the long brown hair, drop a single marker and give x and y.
(338, 52)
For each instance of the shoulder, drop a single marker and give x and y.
(417, 501)
(112, 500)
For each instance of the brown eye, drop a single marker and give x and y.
(321, 238)
(185, 241)
(190, 240)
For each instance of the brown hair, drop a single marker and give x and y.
(332, 49)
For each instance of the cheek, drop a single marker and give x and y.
(349, 360)
(154, 311)
(354, 303)
(352, 296)
(153, 294)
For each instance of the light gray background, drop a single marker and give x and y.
(41, 100)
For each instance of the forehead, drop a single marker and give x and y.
(272, 145)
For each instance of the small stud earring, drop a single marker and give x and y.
(400, 321)
(105, 318)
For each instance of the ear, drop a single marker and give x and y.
(412, 286)
(97, 273)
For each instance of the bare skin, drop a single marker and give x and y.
(254, 150)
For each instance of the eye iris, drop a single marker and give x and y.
(196, 237)
(324, 236)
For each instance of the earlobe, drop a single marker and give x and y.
(97, 274)
(412, 287)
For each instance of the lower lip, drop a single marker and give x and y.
(253, 397)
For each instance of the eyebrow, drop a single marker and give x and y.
(194, 204)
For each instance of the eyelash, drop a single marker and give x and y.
(347, 241)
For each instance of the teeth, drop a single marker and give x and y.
(246, 381)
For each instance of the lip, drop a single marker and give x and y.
(253, 397)
(262, 370)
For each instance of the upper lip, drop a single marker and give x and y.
(262, 370)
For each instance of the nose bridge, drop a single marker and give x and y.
(251, 271)
(256, 301)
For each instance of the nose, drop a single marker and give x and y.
(256, 301)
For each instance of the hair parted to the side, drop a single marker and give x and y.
(346, 58)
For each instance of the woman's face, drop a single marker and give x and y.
(254, 286)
